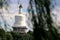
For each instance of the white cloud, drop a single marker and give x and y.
(56, 15)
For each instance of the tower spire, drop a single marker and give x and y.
(20, 8)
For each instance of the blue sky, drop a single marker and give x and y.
(14, 5)
(58, 2)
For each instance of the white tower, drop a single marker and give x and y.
(20, 22)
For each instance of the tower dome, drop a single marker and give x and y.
(20, 22)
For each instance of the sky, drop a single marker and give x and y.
(25, 4)
(16, 4)
(58, 2)
(13, 9)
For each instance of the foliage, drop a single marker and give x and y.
(43, 16)
(2, 34)
(9, 36)
(1, 3)
(4, 3)
(31, 35)
(16, 36)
